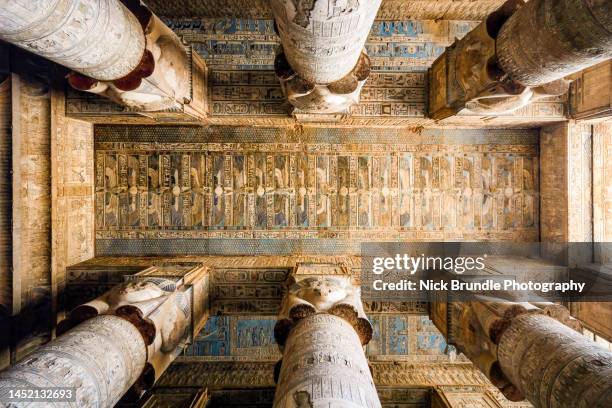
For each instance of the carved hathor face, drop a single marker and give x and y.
(322, 291)
(134, 292)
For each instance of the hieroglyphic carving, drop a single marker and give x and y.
(322, 288)
(321, 331)
(289, 190)
(556, 379)
(323, 39)
(100, 39)
(467, 79)
(243, 44)
(186, 373)
(482, 330)
(191, 108)
(166, 79)
(580, 27)
(602, 196)
(235, 291)
(31, 197)
(418, 397)
(73, 221)
(591, 93)
(460, 397)
(567, 198)
(322, 360)
(100, 358)
(398, 337)
(258, 94)
(472, 10)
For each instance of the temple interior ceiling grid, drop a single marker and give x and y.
(439, 190)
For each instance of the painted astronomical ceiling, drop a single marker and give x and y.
(339, 186)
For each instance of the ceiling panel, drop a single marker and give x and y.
(390, 9)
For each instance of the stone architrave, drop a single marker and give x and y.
(322, 330)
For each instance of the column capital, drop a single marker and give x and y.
(322, 288)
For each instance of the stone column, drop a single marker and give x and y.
(100, 358)
(321, 331)
(324, 365)
(547, 40)
(323, 64)
(125, 54)
(529, 351)
(555, 366)
(101, 39)
(122, 341)
(521, 53)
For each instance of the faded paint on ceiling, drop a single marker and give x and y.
(390, 9)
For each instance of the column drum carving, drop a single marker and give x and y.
(101, 39)
(324, 365)
(323, 64)
(571, 35)
(555, 366)
(101, 358)
(323, 39)
(321, 331)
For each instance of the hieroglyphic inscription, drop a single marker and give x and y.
(323, 361)
(64, 31)
(247, 290)
(389, 10)
(258, 94)
(295, 190)
(232, 43)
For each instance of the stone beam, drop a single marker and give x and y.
(591, 93)
(321, 331)
(122, 341)
(323, 65)
(507, 62)
(566, 194)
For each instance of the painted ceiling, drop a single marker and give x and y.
(390, 9)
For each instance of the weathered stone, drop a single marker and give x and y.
(100, 358)
(101, 39)
(324, 364)
(577, 374)
(571, 35)
(323, 44)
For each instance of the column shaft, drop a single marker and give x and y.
(324, 365)
(101, 358)
(555, 366)
(101, 39)
(546, 40)
(322, 39)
